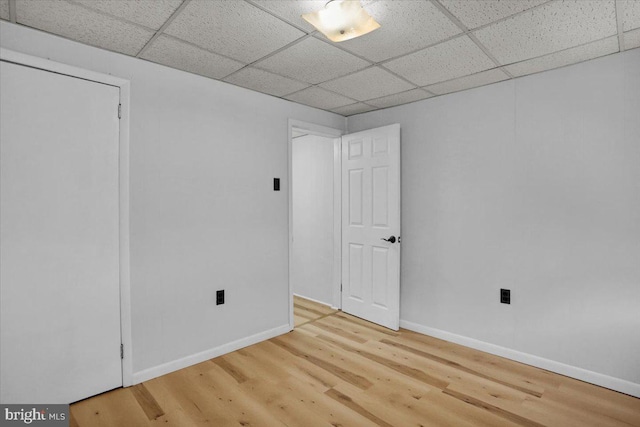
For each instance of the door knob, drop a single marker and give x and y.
(391, 239)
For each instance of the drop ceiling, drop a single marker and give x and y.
(425, 48)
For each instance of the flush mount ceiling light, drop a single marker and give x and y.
(342, 20)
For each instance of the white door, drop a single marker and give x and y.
(371, 225)
(59, 229)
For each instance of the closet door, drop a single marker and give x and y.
(59, 229)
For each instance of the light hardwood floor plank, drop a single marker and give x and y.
(312, 305)
(146, 401)
(335, 369)
(390, 363)
(498, 366)
(511, 416)
(349, 403)
(459, 366)
(115, 408)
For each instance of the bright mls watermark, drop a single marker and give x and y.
(34, 415)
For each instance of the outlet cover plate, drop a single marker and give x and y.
(505, 296)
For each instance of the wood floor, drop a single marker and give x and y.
(337, 370)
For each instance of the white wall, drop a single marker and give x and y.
(532, 185)
(204, 215)
(312, 248)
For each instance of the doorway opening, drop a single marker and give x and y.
(344, 221)
(314, 222)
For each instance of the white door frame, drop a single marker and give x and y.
(123, 166)
(337, 210)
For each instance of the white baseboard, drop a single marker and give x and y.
(314, 300)
(184, 362)
(617, 384)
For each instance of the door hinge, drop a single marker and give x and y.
(340, 287)
(121, 351)
(119, 111)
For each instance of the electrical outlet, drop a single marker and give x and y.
(220, 297)
(505, 296)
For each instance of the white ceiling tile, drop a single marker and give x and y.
(476, 13)
(565, 57)
(632, 39)
(264, 81)
(400, 98)
(455, 58)
(319, 98)
(232, 28)
(373, 82)
(150, 13)
(4, 9)
(80, 24)
(468, 82)
(406, 26)
(357, 108)
(552, 27)
(177, 54)
(630, 14)
(312, 61)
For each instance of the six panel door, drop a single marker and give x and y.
(371, 225)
